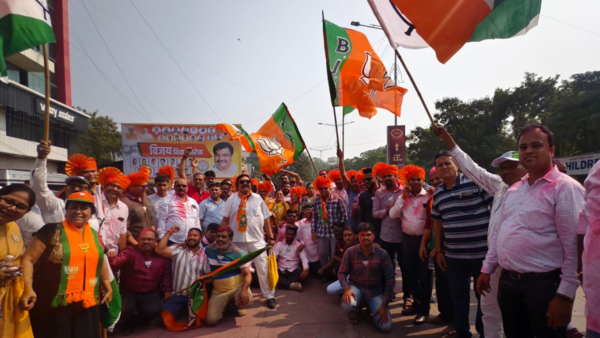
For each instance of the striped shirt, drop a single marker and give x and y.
(187, 267)
(217, 259)
(464, 211)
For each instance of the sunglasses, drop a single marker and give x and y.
(367, 179)
(9, 202)
(244, 182)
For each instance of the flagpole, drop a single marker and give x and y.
(337, 135)
(416, 88)
(343, 129)
(311, 160)
(47, 78)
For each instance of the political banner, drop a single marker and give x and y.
(580, 164)
(156, 145)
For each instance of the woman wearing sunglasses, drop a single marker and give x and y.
(15, 201)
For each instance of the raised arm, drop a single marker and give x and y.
(163, 248)
(472, 170)
(345, 179)
(181, 167)
(45, 198)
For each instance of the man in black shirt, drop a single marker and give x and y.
(365, 203)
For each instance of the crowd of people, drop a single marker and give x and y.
(525, 237)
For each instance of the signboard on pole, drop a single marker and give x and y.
(580, 164)
(155, 145)
(396, 145)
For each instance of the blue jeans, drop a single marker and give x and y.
(460, 272)
(374, 304)
(175, 304)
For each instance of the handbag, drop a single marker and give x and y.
(273, 273)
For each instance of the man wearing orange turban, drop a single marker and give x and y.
(140, 207)
(391, 229)
(412, 208)
(351, 188)
(114, 226)
(81, 165)
(328, 209)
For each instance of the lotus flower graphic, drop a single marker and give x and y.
(271, 146)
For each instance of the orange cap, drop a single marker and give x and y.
(81, 196)
(410, 171)
(384, 169)
(334, 175)
(78, 163)
(265, 186)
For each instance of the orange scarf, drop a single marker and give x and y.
(81, 266)
(241, 214)
(323, 211)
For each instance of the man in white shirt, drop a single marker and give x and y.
(411, 208)
(291, 264)
(162, 184)
(179, 210)
(535, 243)
(247, 214)
(113, 228)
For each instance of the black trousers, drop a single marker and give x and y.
(418, 275)
(524, 303)
(394, 250)
(442, 290)
(147, 305)
(286, 278)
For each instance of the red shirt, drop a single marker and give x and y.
(199, 197)
(140, 273)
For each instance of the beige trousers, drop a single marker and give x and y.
(218, 302)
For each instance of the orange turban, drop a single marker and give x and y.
(298, 191)
(351, 174)
(334, 175)
(111, 175)
(384, 169)
(254, 182)
(410, 171)
(139, 177)
(168, 171)
(78, 163)
(321, 182)
(360, 175)
(265, 186)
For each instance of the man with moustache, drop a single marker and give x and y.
(535, 243)
(292, 263)
(196, 185)
(113, 228)
(180, 210)
(510, 172)
(233, 287)
(144, 274)
(367, 273)
(189, 263)
(226, 186)
(210, 209)
(365, 203)
(247, 214)
(223, 157)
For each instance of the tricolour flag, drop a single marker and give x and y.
(278, 142)
(447, 25)
(23, 24)
(109, 317)
(197, 303)
(238, 134)
(356, 75)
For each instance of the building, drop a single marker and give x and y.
(22, 106)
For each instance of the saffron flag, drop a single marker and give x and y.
(23, 24)
(447, 25)
(238, 134)
(356, 75)
(278, 142)
(197, 303)
(110, 317)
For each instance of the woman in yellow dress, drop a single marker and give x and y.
(15, 201)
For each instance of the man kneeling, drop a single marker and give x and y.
(364, 271)
(289, 259)
(232, 286)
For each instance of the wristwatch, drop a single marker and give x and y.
(271, 238)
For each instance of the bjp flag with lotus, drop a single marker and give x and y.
(356, 75)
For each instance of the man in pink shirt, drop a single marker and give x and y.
(292, 265)
(589, 261)
(534, 243)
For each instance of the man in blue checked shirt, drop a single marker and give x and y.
(209, 210)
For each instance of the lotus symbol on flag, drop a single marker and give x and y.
(271, 146)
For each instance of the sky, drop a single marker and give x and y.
(208, 62)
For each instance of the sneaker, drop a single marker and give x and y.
(296, 286)
(574, 333)
(271, 303)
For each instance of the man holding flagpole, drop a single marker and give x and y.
(248, 216)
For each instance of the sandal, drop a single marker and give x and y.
(353, 318)
(408, 304)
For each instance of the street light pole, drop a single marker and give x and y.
(343, 125)
(358, 24)
(321, 151)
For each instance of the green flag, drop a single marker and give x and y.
(23, 24)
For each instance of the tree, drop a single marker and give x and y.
(102, 140)
(367, 159)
